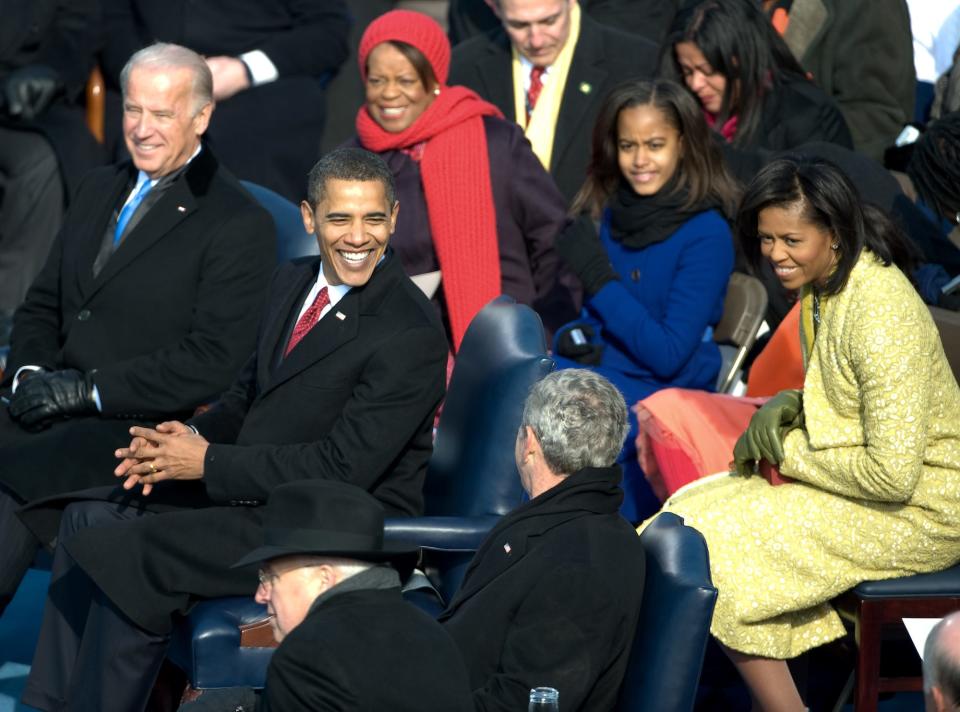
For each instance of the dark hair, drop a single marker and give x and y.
(354, 164)
(419, 61)
(739, 42)
(934, 166)
(700, 170)
(828, 200)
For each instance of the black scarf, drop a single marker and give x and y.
(638, 221)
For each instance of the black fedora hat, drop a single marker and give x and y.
(326, 518)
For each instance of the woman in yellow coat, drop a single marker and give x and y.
(871, 446)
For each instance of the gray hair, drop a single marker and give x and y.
(164, 55)
(346, 567)
(355, 164)
(580, 419)
(941, 658)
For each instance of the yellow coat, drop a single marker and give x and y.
(877, 468)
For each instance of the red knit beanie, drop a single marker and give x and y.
(415, 29)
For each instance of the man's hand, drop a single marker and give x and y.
(29, 90)
(171, 451)
(44, 397)
(229, 76)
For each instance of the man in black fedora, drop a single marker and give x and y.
(347, 638)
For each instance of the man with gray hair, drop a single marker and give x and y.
(142, 311)
(553, 594)
(941, 665)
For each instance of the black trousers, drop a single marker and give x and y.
(90, 657)
(19, 548)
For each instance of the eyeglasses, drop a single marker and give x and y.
(267, 577)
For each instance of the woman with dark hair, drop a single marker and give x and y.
(475, 203)
(868, 452)
(751, 88)
(655, 276)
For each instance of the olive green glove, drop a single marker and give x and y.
(763, 438)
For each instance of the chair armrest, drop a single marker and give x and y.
(460, 533)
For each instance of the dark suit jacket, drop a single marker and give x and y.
(166, 324)
(552, 598)
(367, 650)
(354, 401)
(270, 133)
(603, 58)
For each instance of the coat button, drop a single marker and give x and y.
(83, 315)
(635, 275)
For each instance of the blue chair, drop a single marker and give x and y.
(472, 480)
(292, 239)
(674, 625)
(874, 606)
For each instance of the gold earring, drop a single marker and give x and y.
(835, 246)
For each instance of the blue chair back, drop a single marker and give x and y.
(674, 624)
(472, 471)
(292, 239)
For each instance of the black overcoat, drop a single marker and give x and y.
(602, 59)
(167, 323)
(354, 401)
(367, 650)
(552, 598)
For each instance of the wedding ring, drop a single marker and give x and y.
(153, 468)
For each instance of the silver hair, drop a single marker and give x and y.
(580, 419)
(346, 567)
(164, 55)
(941, 659)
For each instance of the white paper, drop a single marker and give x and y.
(919, 629)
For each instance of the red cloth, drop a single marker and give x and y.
(536, 85)
(455, 171)
(729, 128)
(780, 365)
(309, 319)
(415, 29)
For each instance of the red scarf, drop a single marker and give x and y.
(455, 170)
(729, 128)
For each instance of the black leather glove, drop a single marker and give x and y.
(580, 247)
(45, 397)
(29, 90)
(580, 348)
(763, 438)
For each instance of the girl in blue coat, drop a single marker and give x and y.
(655, 276)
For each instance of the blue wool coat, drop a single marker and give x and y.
(656, 322)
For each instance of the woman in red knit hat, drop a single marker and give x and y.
(475, 203)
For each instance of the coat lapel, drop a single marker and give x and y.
(90, 249)
(329, 334)
(176, 205)
(582, 91)
(276, 320)
(496, 75)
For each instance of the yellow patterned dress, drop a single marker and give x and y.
(877, 468)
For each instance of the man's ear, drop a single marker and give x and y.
(306, 212)
(393, 216)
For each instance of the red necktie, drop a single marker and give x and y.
(310, 317)
(536, 84)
